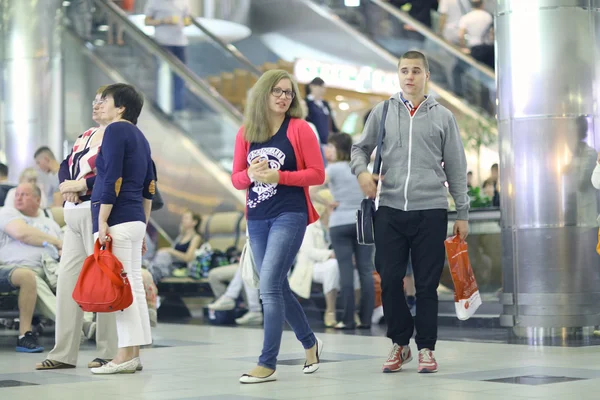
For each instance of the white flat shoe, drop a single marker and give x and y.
(311, 368)
(110, 368)
(254, 379)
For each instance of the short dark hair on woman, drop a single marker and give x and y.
(343, 145)
(126, 96)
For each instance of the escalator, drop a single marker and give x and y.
(373, 35)
(192, 149)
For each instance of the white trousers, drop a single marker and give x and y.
(78, 243)
(133, 323)
(327, 273)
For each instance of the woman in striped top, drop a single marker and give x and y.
(77, 176)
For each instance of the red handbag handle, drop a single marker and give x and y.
(116, 279)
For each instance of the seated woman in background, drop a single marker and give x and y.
(183, 250)
(317, 263)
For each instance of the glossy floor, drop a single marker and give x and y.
(204, 362)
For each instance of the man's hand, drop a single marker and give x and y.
(461, 228)
(73, 186)
(368, 184)
(71, 197)
(267, 176)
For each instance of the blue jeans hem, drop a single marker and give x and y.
(274, 368)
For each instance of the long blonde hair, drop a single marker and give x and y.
(257, 127)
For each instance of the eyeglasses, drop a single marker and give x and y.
(277, 92)
(97, 102)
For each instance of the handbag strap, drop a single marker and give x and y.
(116, 279)
(377, 165)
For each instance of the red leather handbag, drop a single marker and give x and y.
(103, 285)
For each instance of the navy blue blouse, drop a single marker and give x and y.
(125, 175)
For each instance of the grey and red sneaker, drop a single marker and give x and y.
(427, 363)
(399, 356)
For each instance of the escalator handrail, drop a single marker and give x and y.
(429, 34)
(220, 175)
(227, 47)
(451, 98)
(194, 83)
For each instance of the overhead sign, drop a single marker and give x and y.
(357, 78)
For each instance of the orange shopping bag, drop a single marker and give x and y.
(466, 293)
(598, 245)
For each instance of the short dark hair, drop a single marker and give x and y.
(343, 145)
(3, 169)
(487, 182)
(470, 173)
(414, 55)
(495, 166)
(476, 3)
(316, 82)
(44, 150)
(126, 96)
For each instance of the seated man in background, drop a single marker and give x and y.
(24, 280)
(225, 299)
(26, 238)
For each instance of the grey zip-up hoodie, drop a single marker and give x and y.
(414, 149)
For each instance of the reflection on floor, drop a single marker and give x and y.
(193, 361)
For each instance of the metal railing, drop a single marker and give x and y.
(429, 34)
(453, 100)
(194, 83)
(228, 48)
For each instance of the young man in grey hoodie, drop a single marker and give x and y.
(422, 150)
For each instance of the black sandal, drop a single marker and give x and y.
(98, 362)
(50, 364)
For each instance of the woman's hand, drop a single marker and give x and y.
(267, 176)
(333, 205)
(103, 232)
(144, 247)
(73, 186)
(257, 165)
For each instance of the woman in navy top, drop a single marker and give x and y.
(121, 204)
(276, 160)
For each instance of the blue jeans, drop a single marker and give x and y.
(178, 83)
(275, 243)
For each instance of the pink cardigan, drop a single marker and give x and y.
(310, 168)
